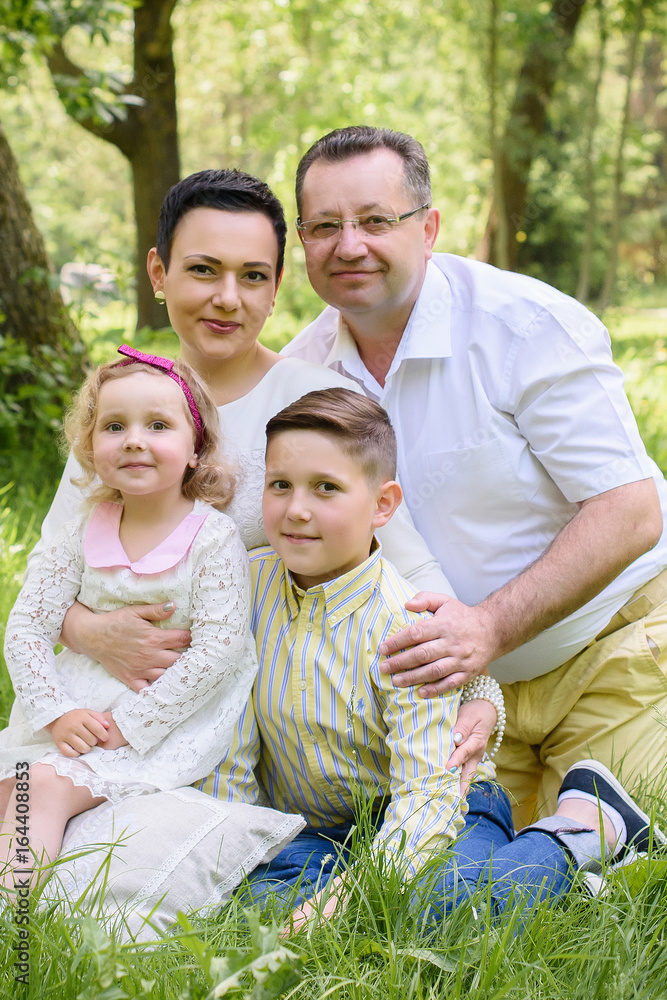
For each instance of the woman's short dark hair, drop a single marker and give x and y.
(355, 140)
(227, 190)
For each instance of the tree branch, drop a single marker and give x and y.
(119, 133)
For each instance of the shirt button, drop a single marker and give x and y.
(303, 685)
(309, 627)
(313, 738)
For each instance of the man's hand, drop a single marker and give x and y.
(474, 724)
(75, 732)
(114, 738)
(125, 642)
(608, 532)
(442, 652)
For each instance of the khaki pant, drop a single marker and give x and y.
(606, 702)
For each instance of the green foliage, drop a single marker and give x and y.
(28, 27)
(33, 393)
(641, 352)
(21, 513)
(288, 70)
(263, 970)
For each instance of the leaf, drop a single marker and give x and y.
(202, 953)
(273, 973)
(636, 875)
(432, 957)
(277, 983)
(370, 947)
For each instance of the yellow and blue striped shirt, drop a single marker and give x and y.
(324, 719)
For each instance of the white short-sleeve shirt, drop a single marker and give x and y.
(508, 409)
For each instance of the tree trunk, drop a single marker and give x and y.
(583, 287)
(544, 59)
(147, 137)
(619, 168)
(501, 241)
(31, 307)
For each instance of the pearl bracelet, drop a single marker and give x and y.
(488, 689)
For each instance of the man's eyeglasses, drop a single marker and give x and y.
(315, 230)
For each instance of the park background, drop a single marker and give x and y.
(545, 124)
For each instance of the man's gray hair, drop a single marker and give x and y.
(356, 140)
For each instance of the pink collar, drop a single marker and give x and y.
(103, 550)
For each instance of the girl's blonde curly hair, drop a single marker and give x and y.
(212, 480)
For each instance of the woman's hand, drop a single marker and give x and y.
(75, 732)
(125, 642)
(474, 725)
(114, 738)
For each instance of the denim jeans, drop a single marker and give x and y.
(302, 868)
(511, 871)
(515, 871)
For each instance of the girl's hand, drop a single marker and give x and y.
(114, 738)
(75, 732)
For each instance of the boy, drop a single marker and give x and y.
(323, 719)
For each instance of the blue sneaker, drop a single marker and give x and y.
(595, 779)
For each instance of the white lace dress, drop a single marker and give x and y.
(177, 728)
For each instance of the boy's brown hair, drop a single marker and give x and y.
(360, 427)
(212, 480)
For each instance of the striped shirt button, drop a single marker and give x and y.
(309, 627)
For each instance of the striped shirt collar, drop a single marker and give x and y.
(343, 595)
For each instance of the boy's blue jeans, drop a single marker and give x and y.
(513, 871)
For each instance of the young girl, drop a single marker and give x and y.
(147, 429)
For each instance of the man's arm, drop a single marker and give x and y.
(608, 532)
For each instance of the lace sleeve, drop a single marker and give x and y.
(220, 640)
(34, 626)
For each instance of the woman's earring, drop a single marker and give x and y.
(161, 298)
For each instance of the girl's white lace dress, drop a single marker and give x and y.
(177, 728)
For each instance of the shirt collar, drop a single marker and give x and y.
(343, 595)
(427, 334)
(102, 547)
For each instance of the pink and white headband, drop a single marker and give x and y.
(167, 366)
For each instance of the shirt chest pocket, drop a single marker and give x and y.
(472, 493)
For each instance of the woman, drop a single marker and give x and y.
(217, 266)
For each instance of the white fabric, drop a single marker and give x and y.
(179, 726)
(242, 423)
(508, 410)
(204, 850)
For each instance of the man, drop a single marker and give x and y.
(521, 463)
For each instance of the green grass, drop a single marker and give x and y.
(612, 947)
(639, 339)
